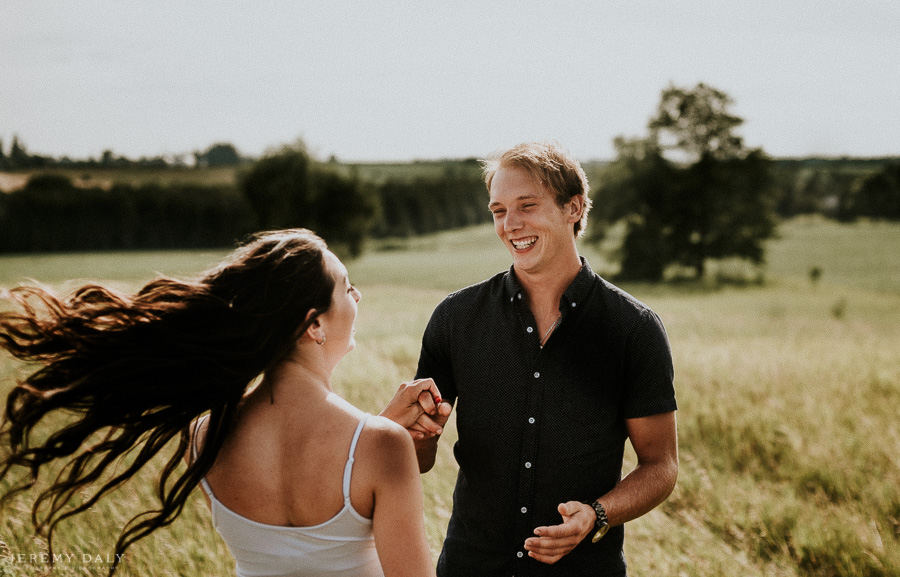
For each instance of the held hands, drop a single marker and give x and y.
(554, 542)
(417, 406)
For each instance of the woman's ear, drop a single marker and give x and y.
(314, 330)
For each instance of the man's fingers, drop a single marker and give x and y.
(426, 400)
(550, 546)
(553, 531)
(548, 559)
(427, 425)
(552, 542)
(443, 413)
(549, 550)
(557, 531)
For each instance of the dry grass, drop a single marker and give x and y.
(788, 412)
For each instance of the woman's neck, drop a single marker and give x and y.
(296, 379)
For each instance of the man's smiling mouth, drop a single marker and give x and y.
(523, 243)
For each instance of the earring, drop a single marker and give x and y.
(322, 342)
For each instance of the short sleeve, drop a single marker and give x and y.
(650, 375)
(434, 358)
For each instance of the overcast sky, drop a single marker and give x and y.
(380, 80)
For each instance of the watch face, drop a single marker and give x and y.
(600, 533)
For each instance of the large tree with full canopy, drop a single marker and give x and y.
(687, 193)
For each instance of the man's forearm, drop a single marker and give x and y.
(645, 487)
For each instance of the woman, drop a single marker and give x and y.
(299, 481)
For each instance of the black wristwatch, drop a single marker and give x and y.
(602, 521)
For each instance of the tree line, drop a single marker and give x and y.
(19, 158)
(285, 188)
(50, 214)
(844, 189)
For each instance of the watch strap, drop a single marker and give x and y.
(602, 520)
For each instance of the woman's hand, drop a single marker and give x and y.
(417, 406)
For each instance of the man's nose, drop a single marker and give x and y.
(513, 221)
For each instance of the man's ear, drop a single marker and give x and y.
(575, 208)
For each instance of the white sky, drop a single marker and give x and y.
(386, 80)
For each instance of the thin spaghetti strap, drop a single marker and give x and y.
(348, 468)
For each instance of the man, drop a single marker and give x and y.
(550, 368)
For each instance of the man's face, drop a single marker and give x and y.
(532, 226)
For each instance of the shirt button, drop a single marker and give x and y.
(536, 375)
(528, 465)
(519, 296)
(524, 509)
(530, 330)
(531, 420)
(520, 554)
(573, 305)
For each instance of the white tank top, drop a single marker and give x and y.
(343, 545)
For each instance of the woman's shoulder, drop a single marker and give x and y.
(386, 445)
(385, 434)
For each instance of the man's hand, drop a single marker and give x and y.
(431, 422)
(417, 406)
(554, 542)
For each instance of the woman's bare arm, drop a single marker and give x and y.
(398, 517)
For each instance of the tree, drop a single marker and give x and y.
(714, 200)
(277, 187)
(289, 189)
(697, 123)
(18, 155)
(220, 154)
(635, 191)
(344, 209)
(878, 195)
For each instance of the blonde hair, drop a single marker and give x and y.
(552, 166)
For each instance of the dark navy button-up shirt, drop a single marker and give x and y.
(540, 426)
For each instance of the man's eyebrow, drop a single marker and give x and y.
(522, 197)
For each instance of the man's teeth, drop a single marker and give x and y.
(524, 243)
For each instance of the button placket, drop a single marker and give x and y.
(528, 456)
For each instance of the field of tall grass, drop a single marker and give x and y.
(789, 395)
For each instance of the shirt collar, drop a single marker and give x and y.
(576, 292)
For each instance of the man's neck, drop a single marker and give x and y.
(544, 289)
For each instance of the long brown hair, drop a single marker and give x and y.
(128, 374)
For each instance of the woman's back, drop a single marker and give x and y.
(285, 467)
(289, 497)
(341, 545)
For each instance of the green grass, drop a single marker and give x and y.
(864, 255)
(788, 393)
